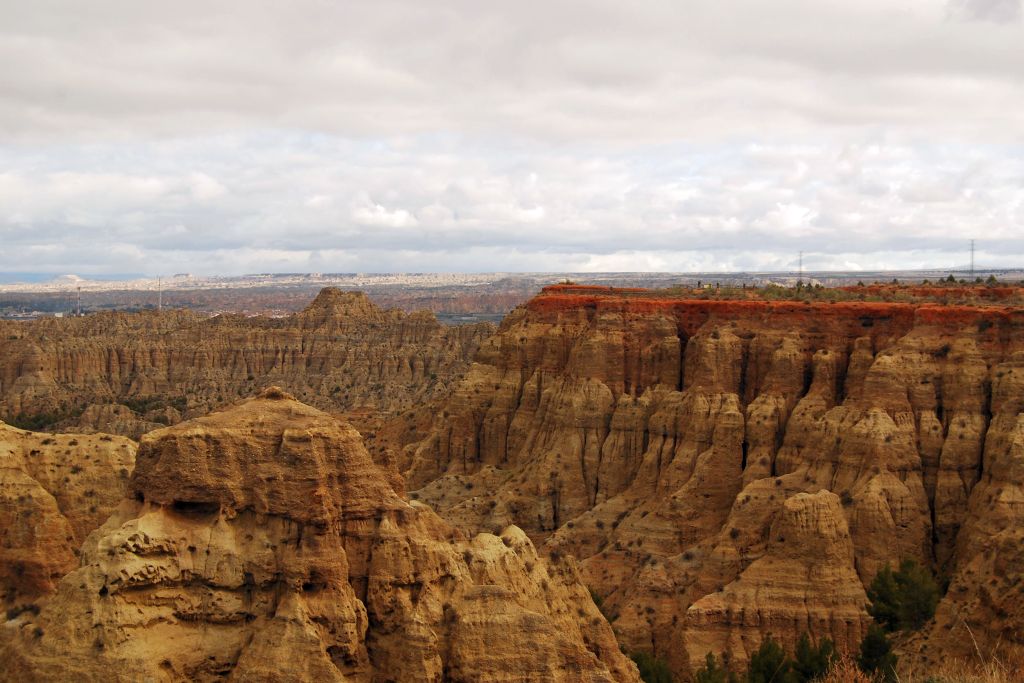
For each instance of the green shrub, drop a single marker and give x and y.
(769, 664)
(712, 672)
(813, 661)
(37, 422)
(905, 599)
(876, 656)
(32, 423)
(652, 669)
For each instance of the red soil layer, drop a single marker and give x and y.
(874, 318)
(594, 288)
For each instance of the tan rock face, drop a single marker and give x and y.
(54, 490)
(667, 443)
(804, 582)
(982, 614)
(262, 543)
(115, 418)
(341, 353)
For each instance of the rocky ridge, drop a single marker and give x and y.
(262, 543)
(728, 469)
(342, 352)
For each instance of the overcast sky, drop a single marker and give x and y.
(223, 137)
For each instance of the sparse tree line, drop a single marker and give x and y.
(900, 600)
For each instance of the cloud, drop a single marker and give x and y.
(349, 204)
(607, 71)
(999, 11)
(378, 215)
(237, 136)
(204, 187)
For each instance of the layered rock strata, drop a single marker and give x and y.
(981, 618)
(340, 353)
(729, 469)
(54, 490)
(262, 543)
(117, 418)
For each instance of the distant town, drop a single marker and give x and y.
(455, 297)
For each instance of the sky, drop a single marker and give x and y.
(229, 137)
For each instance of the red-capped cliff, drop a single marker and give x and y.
(727, 467)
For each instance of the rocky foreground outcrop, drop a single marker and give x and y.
(262, 543)
(725, 470)
(54, 490)
(342, 352)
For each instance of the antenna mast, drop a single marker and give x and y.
(800, 279)
(78, 313)
(160, 294)
(972, 260)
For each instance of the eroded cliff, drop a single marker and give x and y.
(54, 490)
(262, 543)
(340, 353)
(728, 469)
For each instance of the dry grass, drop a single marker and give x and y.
(846, 671)
(993, 671)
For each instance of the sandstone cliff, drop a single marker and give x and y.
(340, 353)
(54, 491)
(728, 469)
(262, 543)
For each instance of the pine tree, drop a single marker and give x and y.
(884, 596)
(919, 595)
(905, 599)
(876, 656)
(813, 662)
(769, 664)
(711, 672)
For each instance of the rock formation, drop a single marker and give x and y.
(340, 353)
(721, 469)
(982, 615)
(725, 469)
(54, 490)
(804, 581)
(262, 543)
(117, 418)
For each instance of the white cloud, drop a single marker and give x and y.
(611, 71)
(309, 200)
(203, 187)
(378, 215)
(998, 11)
(233, 136)
(318, 201)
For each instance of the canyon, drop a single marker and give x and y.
(710, 467)
(264, 534)
(725, 470)
(128, 373)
